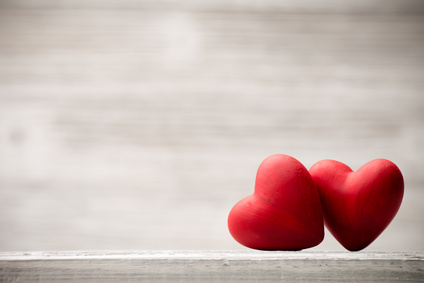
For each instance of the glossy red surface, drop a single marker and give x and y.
(283, 213)
(359, 205)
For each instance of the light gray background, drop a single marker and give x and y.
(139, 124)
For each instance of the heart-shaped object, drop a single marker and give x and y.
(359, 205)
(283, 213)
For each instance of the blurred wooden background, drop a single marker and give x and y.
(139, 124)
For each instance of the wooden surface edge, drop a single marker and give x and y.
(193, 255)
(211, 266)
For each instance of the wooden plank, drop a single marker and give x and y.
(210, 266)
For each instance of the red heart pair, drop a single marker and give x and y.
(287, 209)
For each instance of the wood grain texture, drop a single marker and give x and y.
(139, 124)
(211, 266)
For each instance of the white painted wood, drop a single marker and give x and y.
(211, 266)
(139, 124)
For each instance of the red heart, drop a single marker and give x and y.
(359, 205)
(283, 213)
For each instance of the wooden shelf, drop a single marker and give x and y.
(210, 266)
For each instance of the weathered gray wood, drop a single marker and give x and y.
(211, 266)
